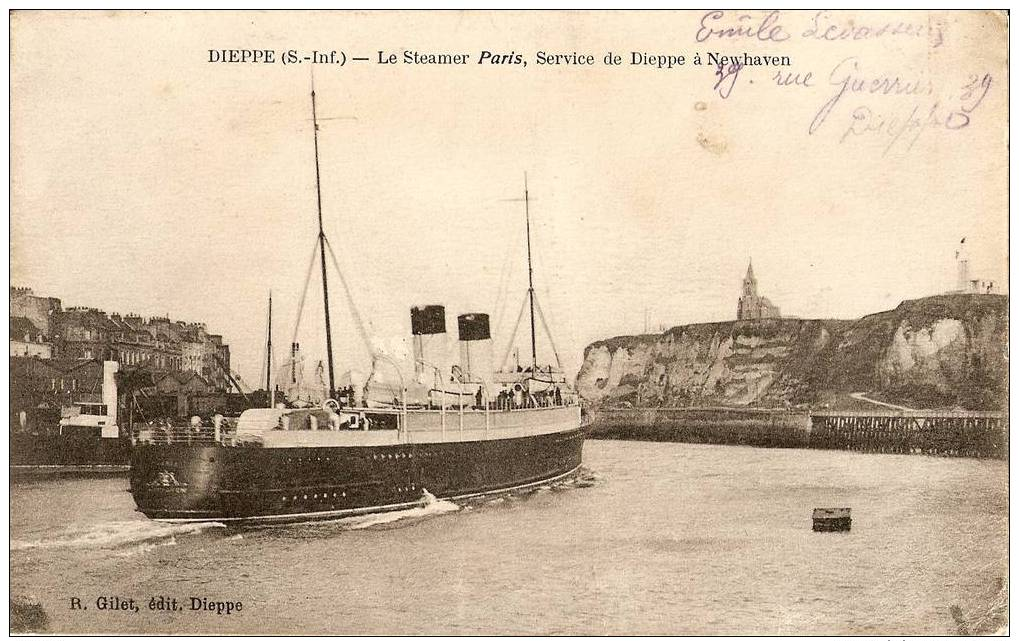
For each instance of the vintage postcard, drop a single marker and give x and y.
(509, 322)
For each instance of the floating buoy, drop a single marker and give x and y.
(832, 519)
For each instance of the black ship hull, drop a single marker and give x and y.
(34, 455)
(242, 485)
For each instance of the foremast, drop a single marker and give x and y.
(530, 278)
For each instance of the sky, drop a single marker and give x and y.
(146, 179)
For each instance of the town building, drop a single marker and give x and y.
(41, 328)
(28, 340)
(751, 305)
(38, 309)
(40, 387)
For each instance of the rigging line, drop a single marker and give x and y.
(513, 336)
(304, 293)
(499, 305)
(502, 290)
(350, 301)
(268, 385)
(548, 333)
(366, 323)
(546, 290)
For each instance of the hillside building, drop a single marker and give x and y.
(965, 283)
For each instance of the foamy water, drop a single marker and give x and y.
(111, 534)
(651, 538)
(429, 507)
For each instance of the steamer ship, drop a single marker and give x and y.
(454, 433)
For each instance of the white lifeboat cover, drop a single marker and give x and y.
(259, 420)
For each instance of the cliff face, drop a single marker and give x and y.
(942, 351)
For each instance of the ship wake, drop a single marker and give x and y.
(582, 478)
(115, 535)
(427, 507)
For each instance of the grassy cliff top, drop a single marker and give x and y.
(919, 312)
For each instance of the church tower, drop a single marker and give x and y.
(750, 282)
(751, 306)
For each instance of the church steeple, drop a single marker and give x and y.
(752, 306)
(749, 281)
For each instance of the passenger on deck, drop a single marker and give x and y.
(518, 396)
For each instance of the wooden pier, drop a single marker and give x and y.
(972, 434)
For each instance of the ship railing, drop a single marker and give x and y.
(220, 432)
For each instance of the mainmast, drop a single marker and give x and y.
(268, 359)
(530, 278)
(322, 249)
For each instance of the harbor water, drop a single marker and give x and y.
(650, 538)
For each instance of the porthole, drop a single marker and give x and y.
(305, 496)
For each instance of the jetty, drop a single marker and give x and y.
(955, 433)
(929, 432)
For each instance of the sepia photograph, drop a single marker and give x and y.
(509, 322)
